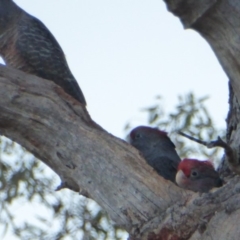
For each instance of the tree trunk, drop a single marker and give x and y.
(58, 130)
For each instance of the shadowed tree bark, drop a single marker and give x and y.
(58, 130)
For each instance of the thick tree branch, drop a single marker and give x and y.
(58, 130)
(218, 22)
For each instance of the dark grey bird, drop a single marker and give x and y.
(157, 149)
(26, 44)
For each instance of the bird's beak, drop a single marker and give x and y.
(180, 178)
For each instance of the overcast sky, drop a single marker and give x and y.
(123, 53)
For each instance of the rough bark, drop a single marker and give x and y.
(59, 131)
(218, 22)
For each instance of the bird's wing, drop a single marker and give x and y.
(44, 56)
(165, 167)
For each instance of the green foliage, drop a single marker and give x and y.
(31, 209)
(189, 116)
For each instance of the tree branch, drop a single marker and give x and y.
(217, 22)
(41, 117)
(58, 130)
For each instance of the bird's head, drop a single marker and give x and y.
(146, 136)
(197, 175)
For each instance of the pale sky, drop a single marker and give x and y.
(125, 52)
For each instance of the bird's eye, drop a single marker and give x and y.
(194, 173)
(137, 136)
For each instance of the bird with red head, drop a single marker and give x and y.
(198, 176)
(157, 149)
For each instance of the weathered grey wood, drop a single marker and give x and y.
(59, 131)
(218, 22)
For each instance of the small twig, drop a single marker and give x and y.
(192, 138)
(217, 143)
